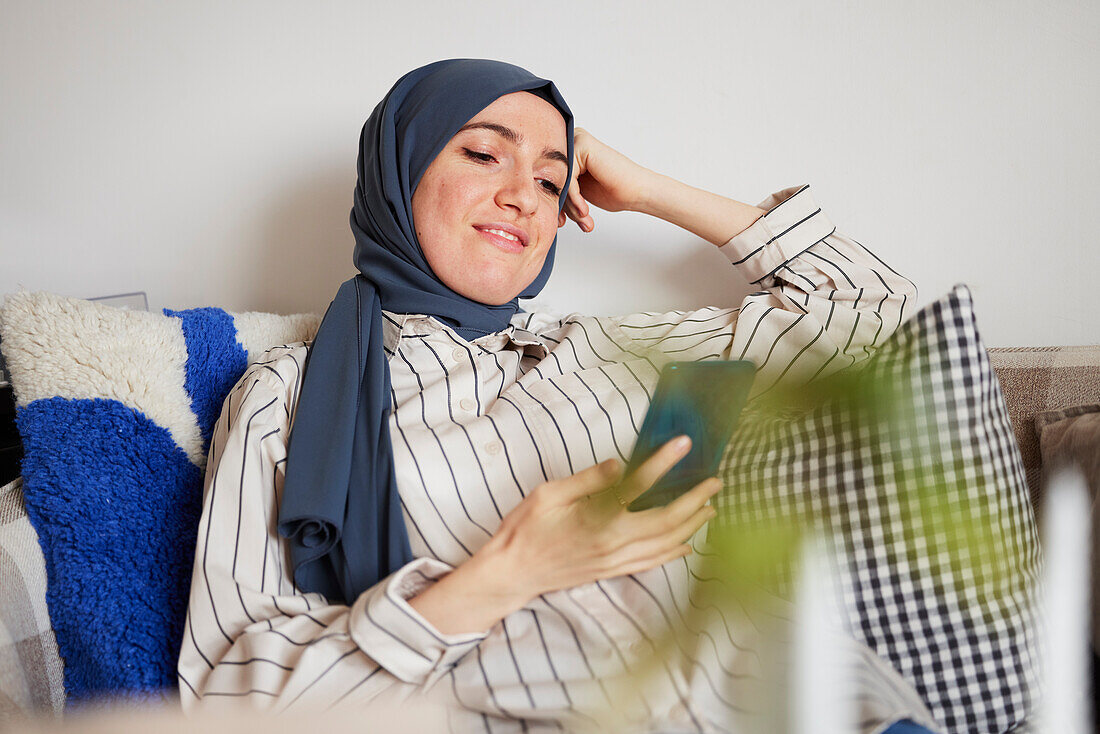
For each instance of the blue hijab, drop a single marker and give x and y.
(340, 510)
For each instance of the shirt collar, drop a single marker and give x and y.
(394, 325)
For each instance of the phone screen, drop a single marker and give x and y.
(702, 400)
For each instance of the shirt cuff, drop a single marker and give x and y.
(793, 223)
(394, 634)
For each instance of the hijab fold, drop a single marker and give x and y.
(340, 510)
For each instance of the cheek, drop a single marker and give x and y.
(547, 232)
(437, 210)
(548, 226)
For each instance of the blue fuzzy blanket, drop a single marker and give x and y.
(115, 410)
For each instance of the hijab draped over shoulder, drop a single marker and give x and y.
(340, 510)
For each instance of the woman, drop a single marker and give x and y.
(449, 511)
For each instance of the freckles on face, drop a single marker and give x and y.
(488, 179)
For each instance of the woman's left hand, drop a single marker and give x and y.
(601, 176)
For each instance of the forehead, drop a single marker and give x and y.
(537, 122)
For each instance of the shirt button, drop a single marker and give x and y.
(458, 354)
(493, 448)
(467, 404)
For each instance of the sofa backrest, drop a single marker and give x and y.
(1039, 379)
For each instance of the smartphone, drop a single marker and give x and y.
(702, 400)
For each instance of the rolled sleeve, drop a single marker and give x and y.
(397, 636)
(822, 301)
(793, 223)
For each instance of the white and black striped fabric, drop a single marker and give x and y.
(477, 425)
(899, 464)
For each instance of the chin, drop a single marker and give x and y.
(495, 293)
(492, 300)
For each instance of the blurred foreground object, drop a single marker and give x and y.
(420, 715)
(822, 700)
(1066, 529)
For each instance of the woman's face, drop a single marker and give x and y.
(506, 177)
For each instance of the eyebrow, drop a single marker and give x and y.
(514, 138)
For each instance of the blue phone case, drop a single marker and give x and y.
(703, 400)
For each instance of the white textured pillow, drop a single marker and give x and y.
(56, 346)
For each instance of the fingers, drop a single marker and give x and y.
(658, 520)
(645, 554)
(577, 208)
(592, 480)
(683, 532)
(644, 564)
(655, 467)
(691, 500)
(575, 204)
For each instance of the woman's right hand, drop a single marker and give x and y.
(603, 177)
(576, 530)
(565, 533)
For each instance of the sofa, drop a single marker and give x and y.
(1043, 389)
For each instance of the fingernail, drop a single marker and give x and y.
(682, 443)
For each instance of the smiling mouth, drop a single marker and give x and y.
(502, 239)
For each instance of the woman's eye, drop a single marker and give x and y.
(478, 156)
(550, 186)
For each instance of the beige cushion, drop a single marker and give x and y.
(1041, 379)
(1071, 438)
(30, 667)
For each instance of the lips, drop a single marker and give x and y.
(504, 243)
(502, 227)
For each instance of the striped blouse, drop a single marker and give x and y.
(475, 426)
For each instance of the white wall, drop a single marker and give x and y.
(205, 151)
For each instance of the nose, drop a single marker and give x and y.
(520, 190)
